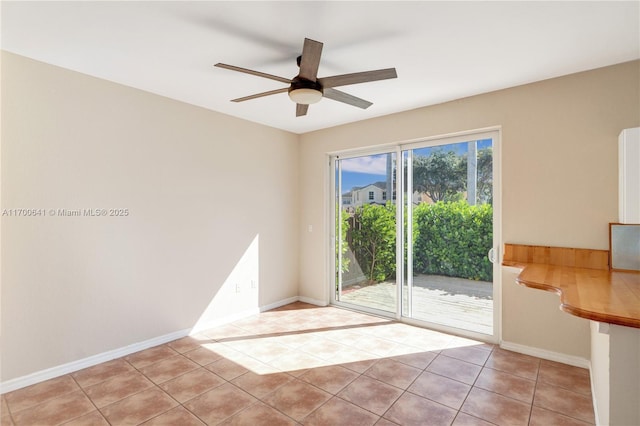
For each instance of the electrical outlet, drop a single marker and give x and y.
(253, 284)
(237, 288)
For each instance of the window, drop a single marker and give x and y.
(371, 195)
(384, 195)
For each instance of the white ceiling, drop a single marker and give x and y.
(441, 50)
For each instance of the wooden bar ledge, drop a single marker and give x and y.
(582, 279)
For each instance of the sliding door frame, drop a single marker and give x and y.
(384, 149)
(494, 133)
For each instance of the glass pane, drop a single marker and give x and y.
(448, 193)
(366, 231)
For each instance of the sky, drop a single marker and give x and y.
(361, 171)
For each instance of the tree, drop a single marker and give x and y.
(441, 175)
(484, 189)
(374, 240)
(485, 176)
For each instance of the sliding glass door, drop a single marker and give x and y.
(365, 221)
(448, 204)
(415, 230)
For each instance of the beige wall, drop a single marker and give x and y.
(559, 176)
(212, 201)
(533, 318)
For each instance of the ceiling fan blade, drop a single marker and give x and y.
(252, 72)
(260, 95)
(301, 109)
(357, 77)
(346, 98)
(310, 61)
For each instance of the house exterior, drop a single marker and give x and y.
(375, 193)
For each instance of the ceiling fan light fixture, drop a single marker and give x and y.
(305, 96)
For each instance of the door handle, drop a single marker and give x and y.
(492, 255)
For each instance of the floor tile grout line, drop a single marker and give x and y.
(192, 413)
(262, 400)
(459, 410)
(471, 415)
(294, 378)
(139, 370)
(504, 396)
(327, 401)
(8, 409)
(340, 390)
(531, 409)
(137, 393)
(535, 390)
(10, 415)
(561, 386)
(41, 402)
(446, 377)
(153, 385)
(164, 412)
(561, 413)
(380, 416)
(89, 398)
(106, 380)
(474, 382)
(437, 402)
(183, 404)
(401, 394)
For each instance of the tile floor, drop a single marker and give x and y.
(301, 364)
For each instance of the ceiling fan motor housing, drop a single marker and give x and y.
(303, 91)
(301, 83)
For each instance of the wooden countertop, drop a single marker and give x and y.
(587, 288)
(599, 295)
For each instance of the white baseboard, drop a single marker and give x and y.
(545, 354)
(312, 301)
(71, 367)
(279, 303)
(217, 322)
(241, 315)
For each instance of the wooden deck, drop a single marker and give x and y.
(453, 302)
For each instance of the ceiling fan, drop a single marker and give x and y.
(306, 88)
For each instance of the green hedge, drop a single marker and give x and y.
(450, 238)
(373, 240)
(453, 239)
